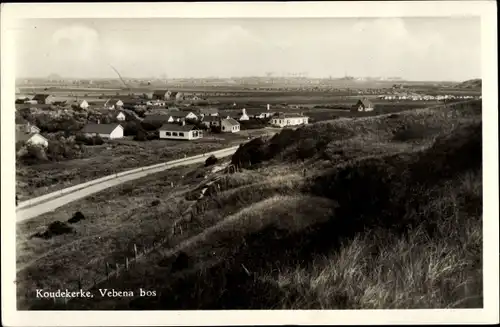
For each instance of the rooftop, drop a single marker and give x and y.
(99, 128)
(177, 128)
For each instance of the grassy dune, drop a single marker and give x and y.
(375, 212)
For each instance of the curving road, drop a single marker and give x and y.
(51, 204)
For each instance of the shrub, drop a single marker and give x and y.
(249, 154)
(83, 139)
(76, 217)
(131, 128)
(155, 203)
(141, 136)
(212, 160)
(54, 229)
(306, 149)
(63, 147)
(412, 132)
(34, 154)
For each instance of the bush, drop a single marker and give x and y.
(141, 136)
(76, 217)
(34, 154)
(212, 160)
(249, 154)
(59, 150)
(131, 128)
(155, 203)
(83, 139)
(54, 229)
(254, 123)
(306, 149)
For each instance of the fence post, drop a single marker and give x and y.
(135, 251)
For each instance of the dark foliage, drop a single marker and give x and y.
(212, 160)
(76, 217)
(54, 229)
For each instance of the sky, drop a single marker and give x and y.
(430, 49)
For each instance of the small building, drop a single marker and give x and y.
(229, 125)
(156, 103)
(289, 119)
(363, 105)
(178, 116)
(113, 104)
(83, 104)
(34, 138)
(177, 96)
(107, 131)
(121, 116)
(179, 132)
(208, 112)
(160, 95)
(244, 115)
(210, 121)
(43, 98)
(148, 95)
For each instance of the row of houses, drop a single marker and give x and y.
(420, 97)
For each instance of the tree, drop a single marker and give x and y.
(141, 136)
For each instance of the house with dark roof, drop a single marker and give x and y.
(289, 119)
(229, 125)
(107, 131)
(156, 119)
(173, 95)
(210, 121)
(180, 131)
(43, 98)
(363, 105)
(160, 95)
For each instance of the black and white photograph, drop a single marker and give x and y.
(194, 162)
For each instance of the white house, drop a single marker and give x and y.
(289, 119)
(178, 116)
(113, 104)
(363, 105)
(83, 104)
(244, 115)
(31, 138)
(121, 116)
(229, 125)
(107, 131)
(179, 132)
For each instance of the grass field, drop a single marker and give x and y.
(372, 212)
(114, 157)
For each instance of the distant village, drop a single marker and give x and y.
(175, 113)
(177, 122)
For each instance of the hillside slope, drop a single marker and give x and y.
(376, 213)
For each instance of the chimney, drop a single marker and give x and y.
(268, 106)
(98, 121)
(27, 127)
(183, 122)
(244, 111)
